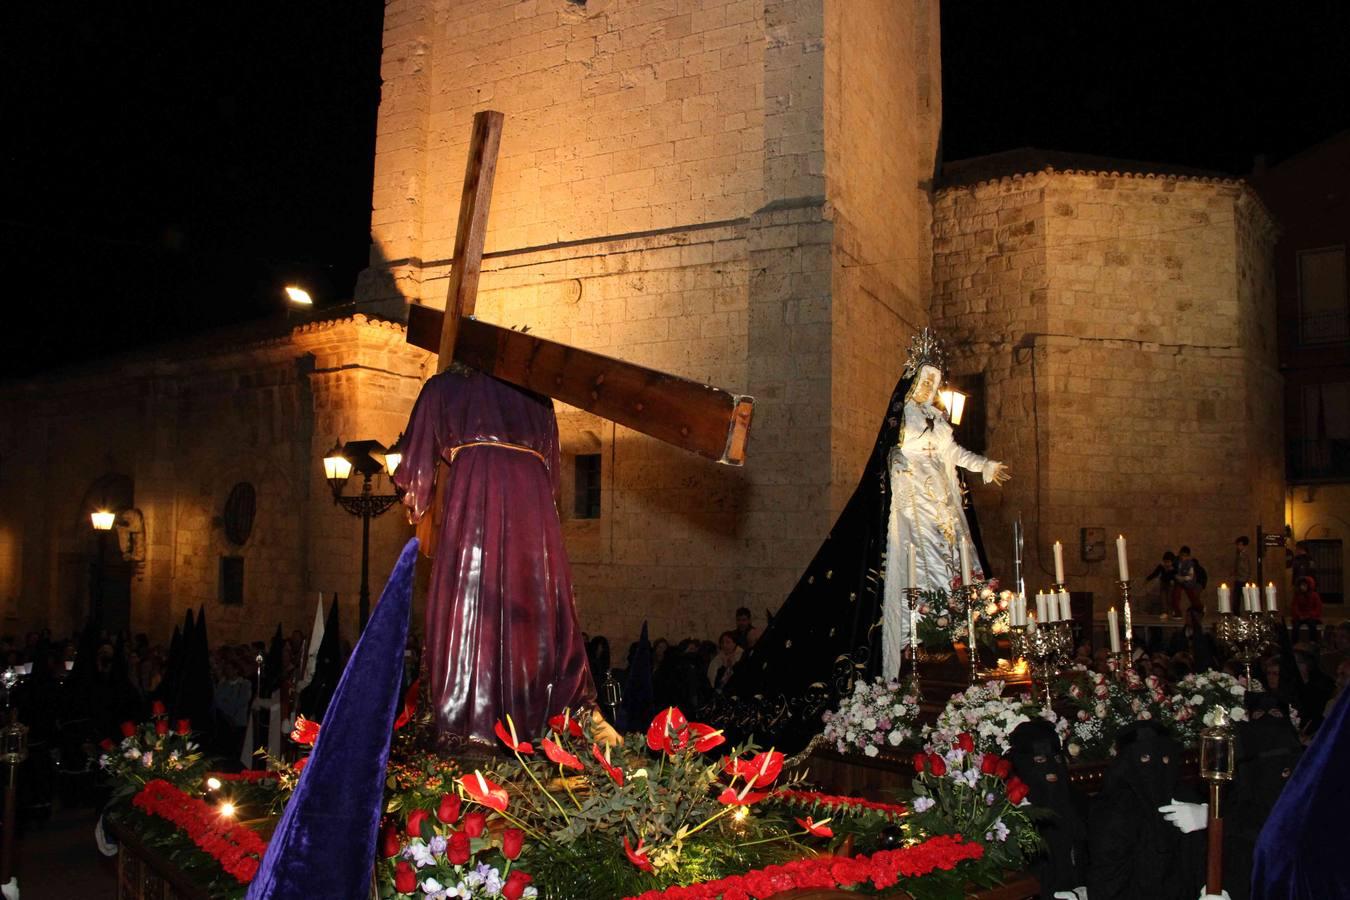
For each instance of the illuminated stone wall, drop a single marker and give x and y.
(735, 192)
(1125, 327)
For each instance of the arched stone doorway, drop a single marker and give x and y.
(109, 571)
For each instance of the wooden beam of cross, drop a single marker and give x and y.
(702, 419)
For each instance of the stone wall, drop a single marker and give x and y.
(689, 185)
(1122, 325)
(185, 425)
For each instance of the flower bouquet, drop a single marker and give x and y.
(959, 789)
(1104, 705)
(1195, 703)
(990, 717)
(943, 620)
(874, 717)
(149, 751)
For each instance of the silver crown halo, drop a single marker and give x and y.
(925, 350)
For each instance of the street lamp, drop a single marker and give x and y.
(368, 459)
(954, 402)
(103, 522)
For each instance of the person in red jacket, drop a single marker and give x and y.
(1307, 607)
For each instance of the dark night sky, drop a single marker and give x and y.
(168, 167)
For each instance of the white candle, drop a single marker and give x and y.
(1031, 623)
(1120, 558)
(965, 563)
(1059, 563)
(913, 569)
(1112, 632)
(1253, 603)
(1270, 596)
(1040, 606)
(1021, 603)
(1065, 607)
(1225, 599)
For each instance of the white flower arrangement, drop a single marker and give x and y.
(1196, 701)
(989, 717)
(876, 716)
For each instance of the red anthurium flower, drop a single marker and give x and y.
(161, 726)
(937, 765)
(515, 885)
(128, 729)
(818, 829)
(474, 824)
(558, 755)
(480, 790)
(636, 855)
(415, 820)
(965, 742)
(405, 879)
(989, 765)
(563, 723)
(765, 767)
(614, 772)
(448, 810)
(184, 727)
(389, 841)
(1004, 768)
(305, 731)
(457, 849)
(1017, 790)
(409, 704)
(706, 737)
(511, 740)
(669, 731)
(920, 763)
(299, 764)
(157, 709)
(730, 796)
(513, 840)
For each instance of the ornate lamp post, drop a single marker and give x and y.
(368, 459)
(13, 751)
(103, 522)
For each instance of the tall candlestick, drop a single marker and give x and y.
(1112, 631)
(965, 563)
(1225, 600)
(1065, 607)
(1270, 596)
(1059, 563)
(913, 569)
(1121, 559)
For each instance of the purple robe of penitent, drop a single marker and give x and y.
(501, 631)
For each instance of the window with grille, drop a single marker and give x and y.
(586, 503)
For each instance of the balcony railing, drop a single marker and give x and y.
(1324, 460)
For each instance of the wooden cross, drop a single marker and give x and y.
(702, 419)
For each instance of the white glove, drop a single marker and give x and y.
(105, 846)
(1081, 891)
(10, 889)
(1223, 895)
(1065, 895)
(1187, 817)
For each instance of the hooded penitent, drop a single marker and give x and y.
(327, 669)
(324, 845)
(1268, 750)
(1133, 851)
(1037, 759)
(1301, 850)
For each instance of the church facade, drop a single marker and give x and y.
(743, 192)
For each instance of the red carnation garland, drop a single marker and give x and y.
(249, 775)
(834, 802)
(883, 869)
(238, 849)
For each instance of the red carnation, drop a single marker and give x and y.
(161, 727)
(157, 709)
(513, 839)
(989, 765)
(106, 744)
(474, 824)
(1004, 768)
(405, 879)
(415, 820)
(515, 885)
(920, 763)
(1017, 790)
(448, 811)
(965, 742)
(457, 848)
(184, 727)
(937, 765)
(128, 729)
(389, 842)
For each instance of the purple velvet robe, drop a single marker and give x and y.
(501, 633)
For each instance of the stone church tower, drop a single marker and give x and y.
(735, 191)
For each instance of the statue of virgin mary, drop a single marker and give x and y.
(846, 618)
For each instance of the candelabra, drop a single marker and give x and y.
(1043, 646)
(1246, 635)
(1129, 625)
(916, 651)
(972, 594)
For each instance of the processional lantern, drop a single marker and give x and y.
(1217, 752)
(954, 402)
(103, 520)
